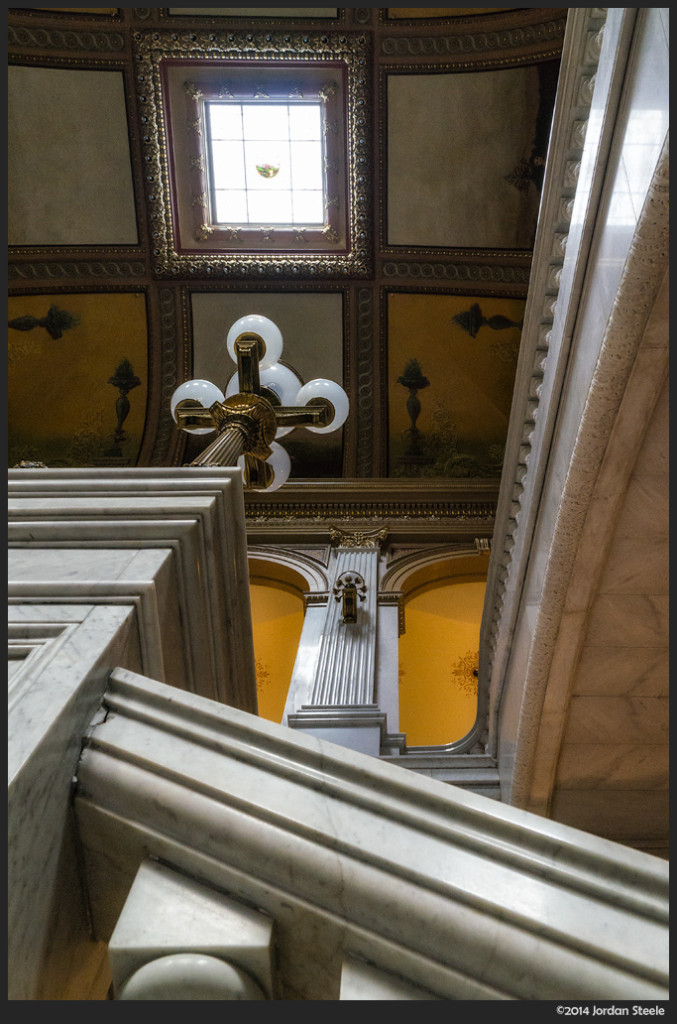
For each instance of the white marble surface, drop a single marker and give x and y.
(48, 931)
(134, 568)
(168, 913)
(187, 977)
(451, 892)
(574, 599)
(363, 981)
(201, 604)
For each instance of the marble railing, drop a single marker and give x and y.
(211, 838)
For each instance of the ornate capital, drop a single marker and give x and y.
(357, 538)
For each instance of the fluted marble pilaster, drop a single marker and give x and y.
(345, 671)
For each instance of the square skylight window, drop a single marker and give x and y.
(256, 152)
(266, 163)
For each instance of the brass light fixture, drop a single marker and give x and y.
(350, 587)
(263, 400)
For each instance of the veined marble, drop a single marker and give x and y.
(443, 889)
(106, 568)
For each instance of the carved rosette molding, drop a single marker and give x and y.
(362, 15)
(549, 253)
(53, 39)
(365, 382)
(479, 43)
(322, 512)
(456, 272)
(26, 271)
(169, 376)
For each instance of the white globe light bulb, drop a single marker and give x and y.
(334, 393)
(201, 391)
(285, 384)
(261, 325)
(281, 464)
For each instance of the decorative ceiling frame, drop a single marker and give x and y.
(155, 51)
(526, 32)
(414, 269)
(502, 16)
(511, 44)
(218, 19)
(442, 512)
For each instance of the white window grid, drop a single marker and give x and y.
(266, 162)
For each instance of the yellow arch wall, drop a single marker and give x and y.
(277, 620)
(437, 652)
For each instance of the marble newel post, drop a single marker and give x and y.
(342, 706)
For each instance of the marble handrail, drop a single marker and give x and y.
(358, 861)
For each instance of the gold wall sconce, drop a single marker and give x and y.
(349, 589)
(263, 400)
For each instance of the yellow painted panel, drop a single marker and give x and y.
(277, 620)
(466, 349)
(63, 351)
(437, 655)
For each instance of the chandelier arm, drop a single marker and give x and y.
(318, 413)
(188, 414)
(258, 473)
(248, 348)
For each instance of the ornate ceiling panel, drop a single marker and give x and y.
(445, 114)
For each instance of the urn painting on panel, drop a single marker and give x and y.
(451, 372)
(78, 378)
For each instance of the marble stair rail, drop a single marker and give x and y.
(145, 568)
(359, 862)
(202, 640)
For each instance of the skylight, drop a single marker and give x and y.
(266, 163)
(256, 152)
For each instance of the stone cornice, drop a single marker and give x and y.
(585, 33)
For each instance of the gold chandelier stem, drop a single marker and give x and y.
(225, 449)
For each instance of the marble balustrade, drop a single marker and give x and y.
(374, 880)
(141, 568)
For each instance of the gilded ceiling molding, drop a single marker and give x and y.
(467, 273)
(54, 39)
(25, 270)
(324, 511)
(561, 179)
(547, 35)
(164, 451)
(365, 382)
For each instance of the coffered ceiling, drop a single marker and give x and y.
(446, 130)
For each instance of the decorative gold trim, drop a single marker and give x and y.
(357, 538)
(155, 51)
